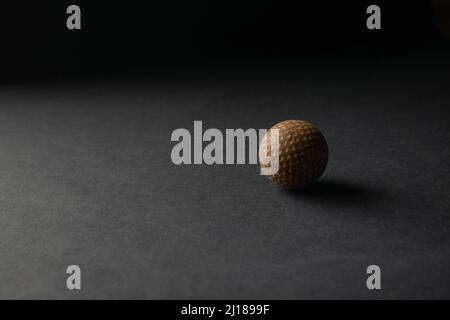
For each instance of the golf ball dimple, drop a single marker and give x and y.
(303, 154)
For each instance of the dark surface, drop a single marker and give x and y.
(86, 179)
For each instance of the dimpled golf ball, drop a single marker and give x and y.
(303, 154)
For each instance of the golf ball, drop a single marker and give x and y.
(302, 154)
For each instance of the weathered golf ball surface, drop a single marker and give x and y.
(303, 154)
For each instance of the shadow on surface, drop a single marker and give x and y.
(340, 193)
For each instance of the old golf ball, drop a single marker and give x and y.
(302, 153)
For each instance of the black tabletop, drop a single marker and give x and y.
(87, 179)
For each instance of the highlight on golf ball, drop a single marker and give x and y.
(303, 154)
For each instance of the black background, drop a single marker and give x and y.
(139, 35)
(87, 178)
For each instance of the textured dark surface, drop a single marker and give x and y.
(86, 178)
